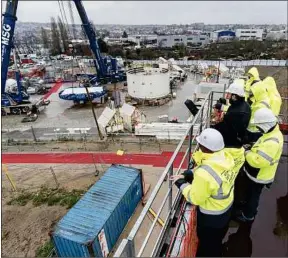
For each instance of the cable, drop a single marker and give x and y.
(72, 19)
(60, 11)
(67, 24)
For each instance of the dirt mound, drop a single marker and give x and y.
(25, 228)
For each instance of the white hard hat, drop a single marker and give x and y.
(264, 115)
(237, 87)
(211, 139)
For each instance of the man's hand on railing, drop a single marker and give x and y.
(222, 101)
(185, 177)
(247, 147)
(180, 182)
(174, 178)
(188, 176)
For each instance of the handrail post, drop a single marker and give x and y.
(210, 108)
(190, 145)
(201, 120)
(225, 87)
(170, 189)
(130, 248)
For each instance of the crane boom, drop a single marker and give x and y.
(100, 66)
(7, 34)
(12, 103)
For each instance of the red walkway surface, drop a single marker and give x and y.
(156, 160)
(54, 89)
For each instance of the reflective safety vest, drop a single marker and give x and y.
(224, 108)
(260, 99)
(254, 107)
(213, 183)
(238, 155)
(264, 156)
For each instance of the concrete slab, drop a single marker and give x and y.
(63, 114)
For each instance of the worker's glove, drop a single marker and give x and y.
(222, 101)
(247, 147)
(218, 106)
(180, 182)
(188, 176)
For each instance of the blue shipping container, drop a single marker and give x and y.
(92, 227)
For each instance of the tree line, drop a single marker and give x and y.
(57, 41)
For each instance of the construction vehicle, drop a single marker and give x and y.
(13, 102)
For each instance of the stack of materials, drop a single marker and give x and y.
(164, 131)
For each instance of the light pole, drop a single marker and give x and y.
(86, 85)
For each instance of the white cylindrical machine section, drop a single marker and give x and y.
(148, 83)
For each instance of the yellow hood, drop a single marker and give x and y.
(270, 83)
(254, 72)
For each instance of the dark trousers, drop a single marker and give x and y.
(211, 230)
(240, 190)
(252, 198)
(210, 241)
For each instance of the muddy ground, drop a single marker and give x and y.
(132, 145)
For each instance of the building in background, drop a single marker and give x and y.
(198, 40)
(250, 34)
(171, 40)
(138, 39)
(195, 39)
(277, 35)
(223, 35)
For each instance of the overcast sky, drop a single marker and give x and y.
(161, 12)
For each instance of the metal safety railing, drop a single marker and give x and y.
(244, 63)
(137, 246)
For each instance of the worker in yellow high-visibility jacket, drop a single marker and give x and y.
(211, 190)
(253, 77)
(261, 161)
(258, 99)
(273, 94)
